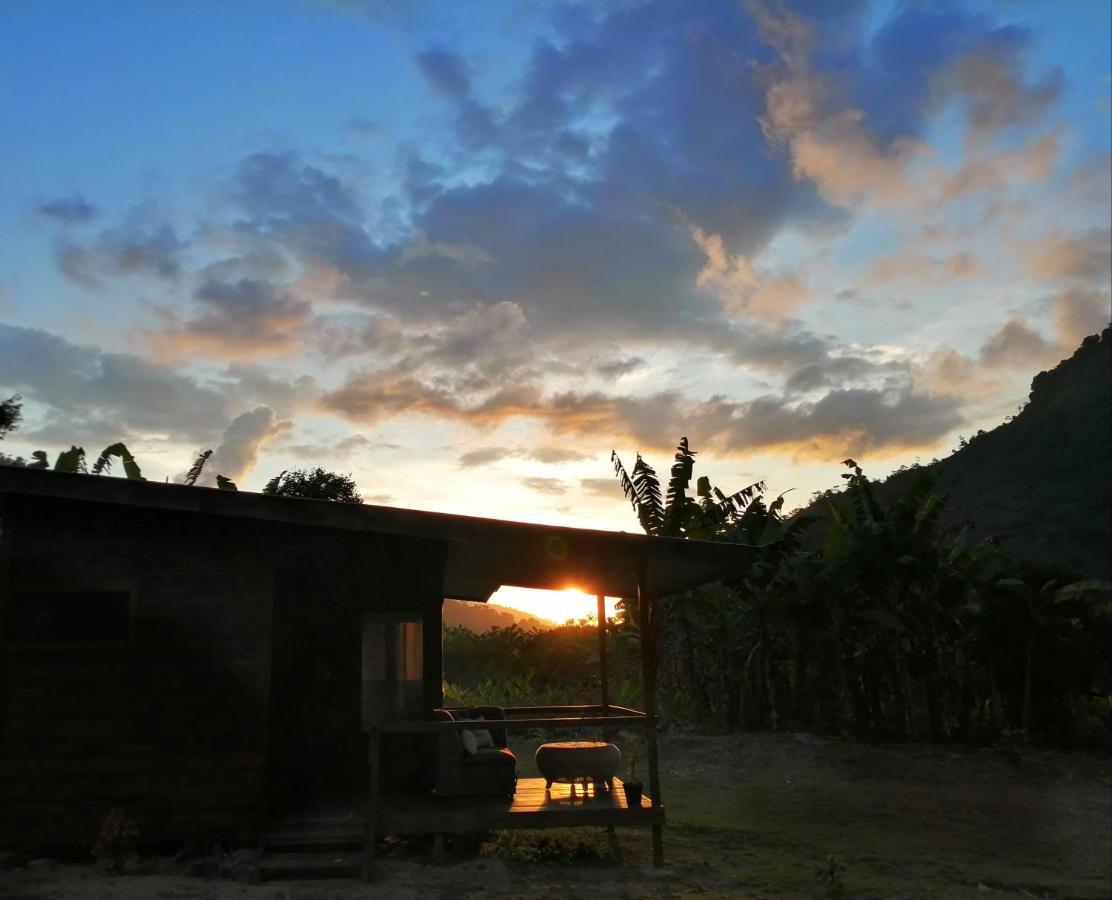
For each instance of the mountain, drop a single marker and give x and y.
(480, 617)
(1045, 476)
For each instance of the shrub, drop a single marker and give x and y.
(567, 845)
(117, 841)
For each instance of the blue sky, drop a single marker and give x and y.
(464, 250)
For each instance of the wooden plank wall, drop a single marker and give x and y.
(171, 729)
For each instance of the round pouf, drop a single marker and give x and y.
(573, 762)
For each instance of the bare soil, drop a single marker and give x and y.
(754, 816)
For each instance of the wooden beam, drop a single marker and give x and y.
(648, 688)
(516, 724)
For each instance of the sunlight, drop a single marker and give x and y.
(556, 606)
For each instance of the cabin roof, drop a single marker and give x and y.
(483, 554)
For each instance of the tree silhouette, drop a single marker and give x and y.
(11, 412)
(314, 484)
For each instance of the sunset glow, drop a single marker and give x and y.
(556, 606)
(462, 251)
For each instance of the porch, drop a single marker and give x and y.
(533, 805)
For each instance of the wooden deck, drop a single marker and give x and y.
(531, 807)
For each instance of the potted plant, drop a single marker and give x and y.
(632, 787)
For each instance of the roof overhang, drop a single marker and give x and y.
(482, 554)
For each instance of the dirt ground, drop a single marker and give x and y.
(754, 816)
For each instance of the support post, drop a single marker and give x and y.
(603, 671)
(374, 757)
(648, 689)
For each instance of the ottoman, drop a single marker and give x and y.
(579, 762)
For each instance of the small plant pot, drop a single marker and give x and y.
(633, 792)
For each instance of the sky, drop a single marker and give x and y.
(464, 251)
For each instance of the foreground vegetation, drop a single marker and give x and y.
(749, 816)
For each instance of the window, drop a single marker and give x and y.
(392, 668)
(99, 618)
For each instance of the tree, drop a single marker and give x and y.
(11, 412)
(314, 484)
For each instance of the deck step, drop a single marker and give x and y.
(318, 864)
(335, 836)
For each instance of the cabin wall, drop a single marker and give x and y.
(241, 678)
(171, 728)
(326, 583)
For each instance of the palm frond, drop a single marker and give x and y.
(198, 465)
(623, 479)
(678, 482)
(103, 463)
(650, 506)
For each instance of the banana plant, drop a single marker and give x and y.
(104, 462)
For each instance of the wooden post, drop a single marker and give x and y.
(648, 689)
(374, 756)
(604, 674)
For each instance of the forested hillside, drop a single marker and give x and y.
(1045, 476)
(480, 617)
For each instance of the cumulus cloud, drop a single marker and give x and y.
(243, 439)
(1016, 345)
(826, 137)
(742, 288)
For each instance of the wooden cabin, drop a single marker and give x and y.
(211, 662)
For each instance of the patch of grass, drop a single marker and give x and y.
(565, 845)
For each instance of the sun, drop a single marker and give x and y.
(556, 606)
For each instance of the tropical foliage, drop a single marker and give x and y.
(314, 484)
(897, 627)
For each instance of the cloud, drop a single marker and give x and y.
(743, 289)
(241, 319)
(133, 249)
(924, 269)
(243, 439)
(483, 456)
(72, 210)
(1080, 312)
(988, 83)
(85, 388)
(365, 128)
(341, 448)
(445, 71)
(545, 485)
(1086, 257)
(601, 487)
(827, 138)
(1015, 345)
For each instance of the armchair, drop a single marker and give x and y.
(486, 772)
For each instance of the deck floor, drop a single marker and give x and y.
(531, 807)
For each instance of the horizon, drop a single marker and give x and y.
(465, 256)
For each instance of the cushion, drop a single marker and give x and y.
(483, 738)
(470, 743)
